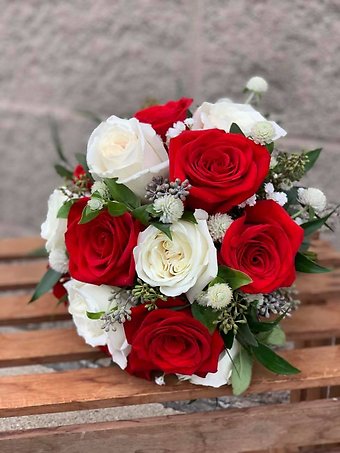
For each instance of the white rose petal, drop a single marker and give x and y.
(312, 197)
(185, 264)
(223, 373)
(223, 114)
(257, 84)
(53, 229)
(85, 297)
(128, 150)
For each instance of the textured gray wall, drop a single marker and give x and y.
(58, 57)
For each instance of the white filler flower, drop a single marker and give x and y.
(85, 297)
(170, 208)
(263, 132)
(257, 84)
(174, 131)
(312, 197)
(58, 260)
(251, 201)
(218, 225)
(224, 113)
(279, 197)
(128, 150)
(185, 264)
(219, 296)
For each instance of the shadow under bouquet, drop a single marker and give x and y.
(176, 240)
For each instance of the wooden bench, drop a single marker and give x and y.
(309, 419)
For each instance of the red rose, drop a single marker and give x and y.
(263, 244)
(100, 251)
(223, 169)
(161, 117)
(170, 341)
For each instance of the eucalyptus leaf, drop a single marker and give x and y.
(95, 315)
(233, 277)
(116, 208)
(313, 156)
(272, 361)
(235, 129)
(50, 278)
(241, 372)
(164, 228)
(275, 337)
(304, 264)
(122, 193)
(228, 338)
(65, 209)
(63, 171)
(88, 215)
(206, 315)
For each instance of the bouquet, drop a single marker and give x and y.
(176, 239)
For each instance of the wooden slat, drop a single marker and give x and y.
(232, 430)
(27, 275)
(44, 346)
(21, 247)
(318, 287)
(327, 254)
(313, 322)
(108, 387)
(15, 310)
(21, 275)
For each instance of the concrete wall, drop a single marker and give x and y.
(61, 56)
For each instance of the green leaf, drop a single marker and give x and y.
(88, 215)
(241, 372)
(312, 158)
(233, 277)
(304, 264)
(258, 326)
(205, 315)
(272, 361)
(50, 278)
(65, 209)
(314, 225)
(122, 193)
(56, 139)
(63, 171)
(81, 158)
(188, 216)
(228, 338)
(235, 129)
(270, 147)
(116, 209)
(95, 315)
(164, 228)
(276, 337)
(40, 252)
(142, 214)
(245, 336)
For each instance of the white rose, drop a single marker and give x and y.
(224, 113)
(185, 264)
(223, 373)
(85, 297)
(128, 150)
(53, 229)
